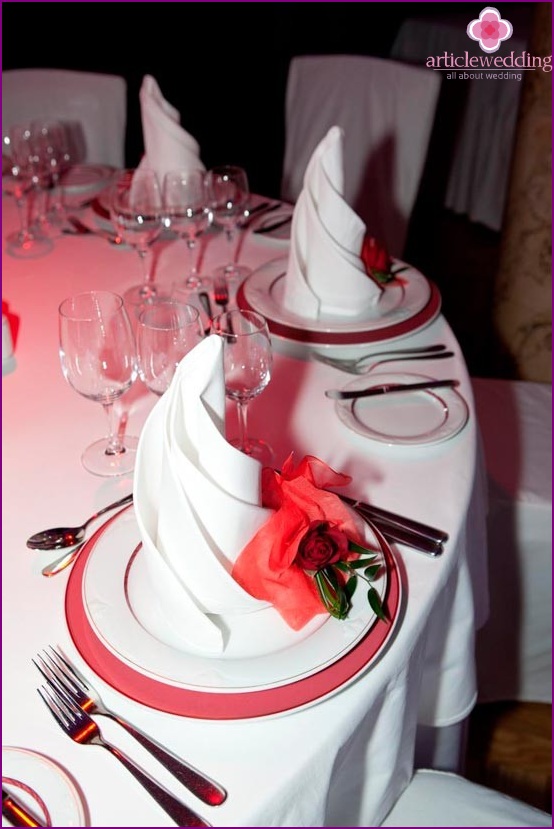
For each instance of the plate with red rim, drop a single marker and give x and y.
(409, 303)
(211, 697)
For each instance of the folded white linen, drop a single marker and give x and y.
(197, 503)
(325, 275)
(167, 146)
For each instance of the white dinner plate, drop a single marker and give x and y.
(408, 303)
(279, 235)
(49, 783)
(265, 652)
(415, 418)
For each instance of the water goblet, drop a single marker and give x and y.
(98, 360)
(24, 179)
(136, 212)
(166, 331)
(229, 193)
(186, 212)
(247, 360)
(53, 150)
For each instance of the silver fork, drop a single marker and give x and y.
(83, 730)
(63, 676)
(363, 366)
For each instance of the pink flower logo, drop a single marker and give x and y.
(490, 29)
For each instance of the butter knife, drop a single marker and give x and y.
(14, 811)
(274, 226)
(389, 388)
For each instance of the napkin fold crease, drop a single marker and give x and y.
(197, 502)
(325, 275)
(167, 146)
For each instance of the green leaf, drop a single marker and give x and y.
(343, 566)
(361, 562)
(371, 572)
(357, 548)
(375, 604)
(350, 587)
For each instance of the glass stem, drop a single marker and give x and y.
(191, 244)
(145, 264)
(244, 443)
(115, 444)
(23, 211)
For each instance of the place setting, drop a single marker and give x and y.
(336, 286)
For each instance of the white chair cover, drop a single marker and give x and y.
(438, 798)
(514, 648)
(95, 101)
(386, 110)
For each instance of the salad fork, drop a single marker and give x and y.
(61, 675)
(363, 366)
(77, 724)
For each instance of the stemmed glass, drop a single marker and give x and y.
(229, 193)
(136, 213)
(186, 212)
(26, 176)
(53, 150)
(247, 359)
(98, 360)
(166, 331)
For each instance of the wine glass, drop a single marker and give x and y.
(186, 212)
(98, 360)
(247, 359)
(53, 150)
(23, 180)
(136, 212)
(166, 331)
(229, 193)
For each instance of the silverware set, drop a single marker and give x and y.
(365, 364)
(72, 701)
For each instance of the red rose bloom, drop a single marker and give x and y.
(377, 261)
(323, 544)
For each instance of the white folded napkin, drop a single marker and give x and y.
(167, 146)
(325, 275)
(197, 502)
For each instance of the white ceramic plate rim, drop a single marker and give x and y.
(89, 176)
(48, 780)
(109, 613)
(455, 408)
(401, 300)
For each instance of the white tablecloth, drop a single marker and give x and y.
(292, 770)
(478, 179)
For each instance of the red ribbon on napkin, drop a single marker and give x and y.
(266, 567)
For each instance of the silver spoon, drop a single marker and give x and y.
(59, 537)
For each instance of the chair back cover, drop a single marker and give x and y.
(386, 109)
(94, 106)
(438, 798)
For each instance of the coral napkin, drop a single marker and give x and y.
(325, 274)
(167, 146)
(197, 503)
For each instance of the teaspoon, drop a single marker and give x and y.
(60, 537)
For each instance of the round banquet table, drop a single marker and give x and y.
(341, 761)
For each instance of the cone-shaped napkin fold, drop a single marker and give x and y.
(197, 503)
(167, 146)
(325, 275)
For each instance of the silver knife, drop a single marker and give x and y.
(14, 811)
(274, 226)
(389, 388)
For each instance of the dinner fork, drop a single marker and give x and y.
(363, 366)
(83, 730)
(60, 673)
(221, 293)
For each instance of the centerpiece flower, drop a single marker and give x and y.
(307, 558)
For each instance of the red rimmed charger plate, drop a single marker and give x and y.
(229, 705)
(305, 332)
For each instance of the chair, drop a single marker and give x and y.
(386, 110)
(94, 103)
(514, 648)
(438, 798)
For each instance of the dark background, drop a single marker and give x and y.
(224, 67)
